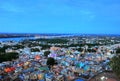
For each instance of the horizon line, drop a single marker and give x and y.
(60, 33)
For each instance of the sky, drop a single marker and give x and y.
(60, 16)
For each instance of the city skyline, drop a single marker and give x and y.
(60, 16)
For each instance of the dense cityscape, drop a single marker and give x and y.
(59, 40)
(36, 57)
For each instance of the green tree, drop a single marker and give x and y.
(45, 46)
(35, 50)
(2, 50)
(46, 53)
(8, 56)
(51, 61)
(115, 65)
(80, 49)
(118, 51)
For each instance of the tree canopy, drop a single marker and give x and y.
(46, 53)
(118, 51)
(35, 50)
(56, 40)
(115, 65)
(50, 61)
(8, 56)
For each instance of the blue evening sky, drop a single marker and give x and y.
(60, 16)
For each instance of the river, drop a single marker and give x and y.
(16, 39)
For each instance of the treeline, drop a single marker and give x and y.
(80, 45)
(56, 40)
(8, 56)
